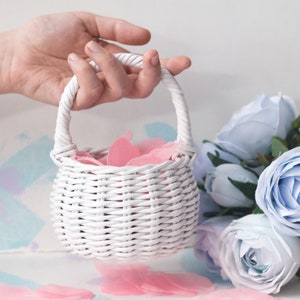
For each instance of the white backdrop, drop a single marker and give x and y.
(239, 49)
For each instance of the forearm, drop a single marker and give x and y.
(6, 61)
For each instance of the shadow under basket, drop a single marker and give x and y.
(124, 213)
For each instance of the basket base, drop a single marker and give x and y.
(133, 214)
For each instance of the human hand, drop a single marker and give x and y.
(47, 51)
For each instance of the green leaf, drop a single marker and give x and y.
(296, 123)
(293, 138)
(247, 188)
(201, 186)
(278, 147)
(229, 211)
(216, 160)
(257, 211)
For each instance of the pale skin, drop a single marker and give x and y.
(39, 58)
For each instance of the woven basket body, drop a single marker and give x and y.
(124, 213)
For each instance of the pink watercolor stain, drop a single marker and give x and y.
(9, 180)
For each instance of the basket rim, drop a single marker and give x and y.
(68, 161)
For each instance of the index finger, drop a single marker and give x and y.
(114, 29)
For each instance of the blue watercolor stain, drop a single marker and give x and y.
(191, 264)
(161, 130)
(23, 136)
(31, 162)
(18, 225)
(17, 281)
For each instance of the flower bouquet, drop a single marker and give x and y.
(249, 181)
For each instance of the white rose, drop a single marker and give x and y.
(206, 242)
(254, 255)
(250, 129)
(202, 163)
(219, 187)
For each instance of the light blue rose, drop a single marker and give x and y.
(206, 242)
(278, 192)
(221, 189)
(254, 255)
(202, 163)
(251, 128)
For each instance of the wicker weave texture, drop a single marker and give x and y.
(124, 213)
(132, 214)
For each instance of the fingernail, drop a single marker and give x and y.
(93, 46)
(73, 57)
(155, 60)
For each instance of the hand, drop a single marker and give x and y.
(50, 49)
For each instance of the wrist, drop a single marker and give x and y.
(6, 62)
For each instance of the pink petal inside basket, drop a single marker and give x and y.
(86, 158)
(147, 145)
(146, 159)
(124, 153)
(166, 151)
(121, 151)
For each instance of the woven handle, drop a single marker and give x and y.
(63, 145)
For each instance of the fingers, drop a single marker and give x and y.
(149, 77)
(90, 85)
(176, 64)
(114, 82)
(114, 29)
(95, 88)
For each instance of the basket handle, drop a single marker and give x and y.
(63, 145)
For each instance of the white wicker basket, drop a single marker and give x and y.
(124, 213)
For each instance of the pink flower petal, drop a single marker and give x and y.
(120, 287)
(143, 160)
(147, 145)
(103, 160)
(165, 152)
(123, 279)
(184, 284)
(130, 279)
(86, 158)
(157, 284)
(120, 152)
(192, 282)
(53, 291)
(109, 271)
(128, 135)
